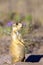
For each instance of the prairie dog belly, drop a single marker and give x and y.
(17, 50)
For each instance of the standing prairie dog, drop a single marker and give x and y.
(17, 48)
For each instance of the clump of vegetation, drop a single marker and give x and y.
(28, 19)
(15, 17)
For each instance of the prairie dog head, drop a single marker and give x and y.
(16, 27)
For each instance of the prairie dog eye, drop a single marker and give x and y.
(16, 23)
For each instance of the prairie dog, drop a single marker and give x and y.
(17, 48)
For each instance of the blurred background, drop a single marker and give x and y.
(30, 14)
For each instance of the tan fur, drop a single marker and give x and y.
(17, 48)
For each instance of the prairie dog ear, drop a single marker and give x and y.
(19, 26)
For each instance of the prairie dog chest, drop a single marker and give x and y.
(15, 36)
